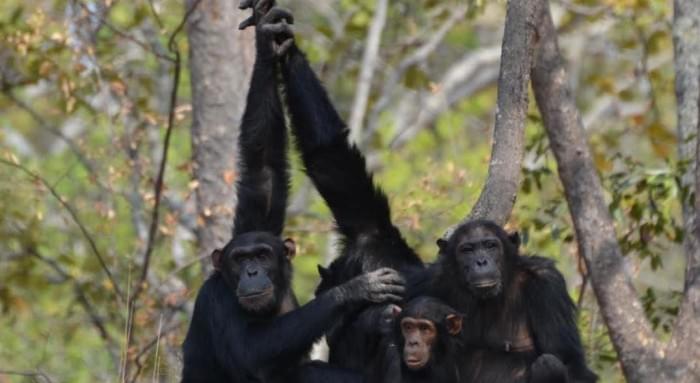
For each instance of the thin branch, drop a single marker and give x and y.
(76, 220)
(27, 374)
(370, 59)
(43, 124)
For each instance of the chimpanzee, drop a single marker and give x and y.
(422, 344)
(520, 321)
(361, 210)
(246, 326)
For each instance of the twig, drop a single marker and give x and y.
(27, 374)
(76, 220)
(43, 124)
(80, 295)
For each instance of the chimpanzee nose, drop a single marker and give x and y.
(252, 272)
(413, 342)
(481, 262)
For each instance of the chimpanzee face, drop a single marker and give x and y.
(424, 326)
(419, 336)
(256, 265)
(480, 255)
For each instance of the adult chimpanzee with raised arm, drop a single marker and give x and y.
(520, 322)
(421, 344)
(246, 326)
(369, 239)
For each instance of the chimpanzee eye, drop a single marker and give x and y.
(491, 244)
(466, 249)
(423, 327)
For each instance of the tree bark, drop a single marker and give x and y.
(643, 357)
(498, 195)
(686, 41)
(221, 60)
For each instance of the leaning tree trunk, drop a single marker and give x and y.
(643, 356)
(221, 60)
(498, 195)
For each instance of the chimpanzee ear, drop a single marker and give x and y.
(324, 272)
(216, 256)
(395, 311)
(514, 239)
(442, 244)
(290, 248)
(453, 323)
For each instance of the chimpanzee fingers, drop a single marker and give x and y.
(281, 28)
(281, 49)
(246, 23)
(392, 276)
(394, 289)
(276, 15)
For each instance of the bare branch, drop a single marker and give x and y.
(74, 215)
(370, 58)
(418, 56)
(474, 72)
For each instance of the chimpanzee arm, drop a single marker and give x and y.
(264, 176)
(338, 169)
(552, 317)
(250, 345)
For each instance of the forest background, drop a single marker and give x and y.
(103, 244)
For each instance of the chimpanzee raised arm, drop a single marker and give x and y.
(246, 326)
(361, 210)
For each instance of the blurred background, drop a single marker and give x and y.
(85, 90)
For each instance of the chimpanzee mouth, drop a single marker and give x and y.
(414, 363)
(485, 284)
(256, 295)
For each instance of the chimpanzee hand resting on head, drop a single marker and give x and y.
(379, 286)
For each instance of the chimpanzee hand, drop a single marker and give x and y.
(272, 23)
(379, 286)
(547, 368)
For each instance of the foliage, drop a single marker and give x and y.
(84, 106)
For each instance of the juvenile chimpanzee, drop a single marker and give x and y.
(422, 345)
(520, 321)
(246, 326)
(361, 210)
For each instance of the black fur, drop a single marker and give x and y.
(361, 210)
(252, 331)
(531, 316)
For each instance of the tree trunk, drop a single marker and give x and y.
(685, 342)
(643, 357)
(221, 60)
(498, 195)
